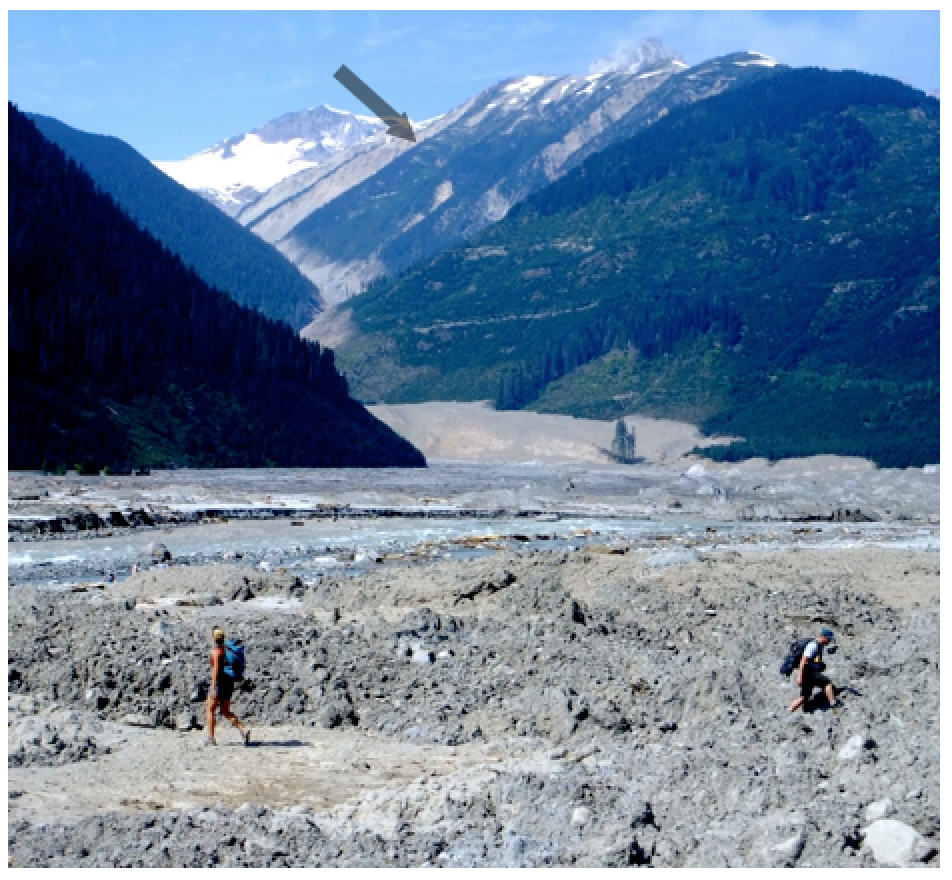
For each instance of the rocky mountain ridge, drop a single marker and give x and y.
(235, 172)
(347, 204)
(499, 147)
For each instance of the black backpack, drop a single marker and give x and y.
(795, 652)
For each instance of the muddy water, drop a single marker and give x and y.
(280, 540)
(314, 546)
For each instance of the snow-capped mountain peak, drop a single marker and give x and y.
(236, 171)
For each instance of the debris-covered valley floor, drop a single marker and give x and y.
(596, 705)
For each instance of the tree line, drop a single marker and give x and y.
(652, 327)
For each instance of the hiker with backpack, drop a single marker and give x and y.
(806, 656)
(228, 666)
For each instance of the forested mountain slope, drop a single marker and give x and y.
(222, 252)
(764, 262)
(120, 355)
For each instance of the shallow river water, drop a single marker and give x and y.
(314, 546)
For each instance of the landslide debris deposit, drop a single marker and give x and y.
(606, 705)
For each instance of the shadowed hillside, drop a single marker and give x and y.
(221, 251)
(119, 355)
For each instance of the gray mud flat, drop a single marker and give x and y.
(588, 707)
(819, 488)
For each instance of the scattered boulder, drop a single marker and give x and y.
(644, 692)
(157, 552)
(493, 583)
(34, 742)
(141, 719)
(856, 748)
(880, 810)
(891, 842)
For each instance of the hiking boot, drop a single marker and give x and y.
(246, 736)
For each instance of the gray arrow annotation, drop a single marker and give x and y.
(398, 125)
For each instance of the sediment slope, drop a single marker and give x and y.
(477, 432)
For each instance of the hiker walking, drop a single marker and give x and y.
(225, 670)
(810, 671)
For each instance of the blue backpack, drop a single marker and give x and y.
(234, 661)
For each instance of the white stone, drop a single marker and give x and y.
(422, 655)
(880, 809)
(581, 815)
(892, 842)
(139, 719)
(792, 847)
(162, 629)
(853, 748)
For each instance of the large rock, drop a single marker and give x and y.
(337, 714)
(157, 552)
(892, 842)
(667, 558)
(856, 747)
(581, 816)
(141, 719)
(789, 850)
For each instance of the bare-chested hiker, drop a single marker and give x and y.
(228, 665)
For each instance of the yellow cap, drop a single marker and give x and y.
(218, 634)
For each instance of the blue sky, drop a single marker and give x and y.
(172, 83)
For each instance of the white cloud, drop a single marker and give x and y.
(377, 38)
(295, 82)
(630, 57)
